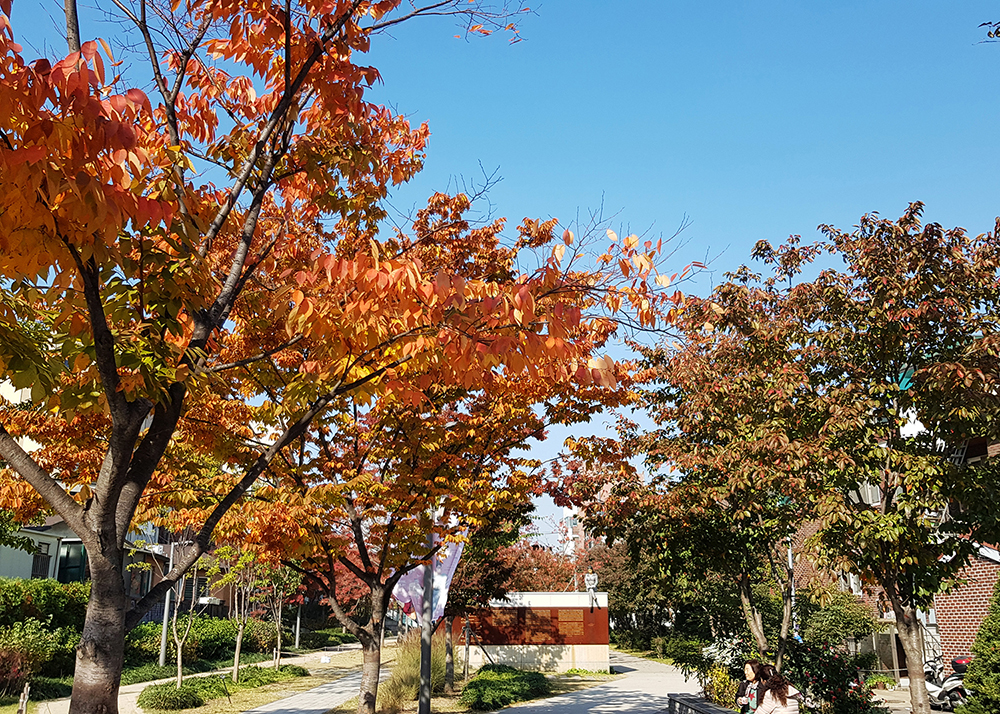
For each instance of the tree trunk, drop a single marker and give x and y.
(236, 654)
(786, 622)
(752, 614)
(277, 627)
(370, 668)
(908, 627)
(101, 654)
(449, 655)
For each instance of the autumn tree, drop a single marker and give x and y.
(847, 395)
(140, 301)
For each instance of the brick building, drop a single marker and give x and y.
(960, 612)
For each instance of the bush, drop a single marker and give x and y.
(629, 639)
(33, 644)
(147, 673)
(832, 675)
(251, 677)
(170, 697)
(59, 604)
(496, 686)
(213, 637)
(719, 686)
(294, 670)
(330, 637)
(51, 687)
(983, 676)
(843, 617)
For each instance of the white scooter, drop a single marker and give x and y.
(950, 692)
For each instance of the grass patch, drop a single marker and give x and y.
(8, 705)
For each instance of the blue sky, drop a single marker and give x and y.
(755, 120)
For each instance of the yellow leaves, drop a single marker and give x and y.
(567, 237)
(558, 251)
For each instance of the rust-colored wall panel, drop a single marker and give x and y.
(541, 626)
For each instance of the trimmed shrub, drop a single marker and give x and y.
(496, 686)
(170, 697)
(46, 600)
(294, 670)
(51, 687)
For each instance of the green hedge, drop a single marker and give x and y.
(210, 638)
(330, 637)
(197, 690)
(58, 604)
(496, 686)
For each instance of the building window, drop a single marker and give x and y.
(40, 561)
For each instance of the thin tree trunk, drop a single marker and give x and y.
(786, 622)
(752, 614)
(277, 627)
(101, 654)
(449, 655)
(239, 647)
(908, 627)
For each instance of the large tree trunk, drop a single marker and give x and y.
(449, 655)
(101, 654)
(370, 669)
(908, 627)
(752, 614)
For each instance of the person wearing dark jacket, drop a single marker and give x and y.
(746, 695)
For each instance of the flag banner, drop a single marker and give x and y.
(409, 591)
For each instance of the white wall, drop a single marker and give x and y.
(17, 564)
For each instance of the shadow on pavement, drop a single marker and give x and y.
(597, 699)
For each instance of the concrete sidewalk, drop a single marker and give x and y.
(643, 690)
(128, 694)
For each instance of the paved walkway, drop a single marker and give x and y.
(321, 699)
(128, 694)
(643, 690)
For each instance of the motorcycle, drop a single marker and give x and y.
(946, 692)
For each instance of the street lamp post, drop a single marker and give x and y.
(166, 614)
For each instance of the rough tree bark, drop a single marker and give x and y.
(908, 629)
(752, 614)
(101, 647)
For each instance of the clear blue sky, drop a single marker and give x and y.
(756, 120)
(753, 119)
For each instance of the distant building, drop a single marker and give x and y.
(550, 632)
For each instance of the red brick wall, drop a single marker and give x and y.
(960, 612)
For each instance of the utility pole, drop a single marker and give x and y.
(166, 614)
(426, 631)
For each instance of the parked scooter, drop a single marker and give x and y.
(949, 692)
